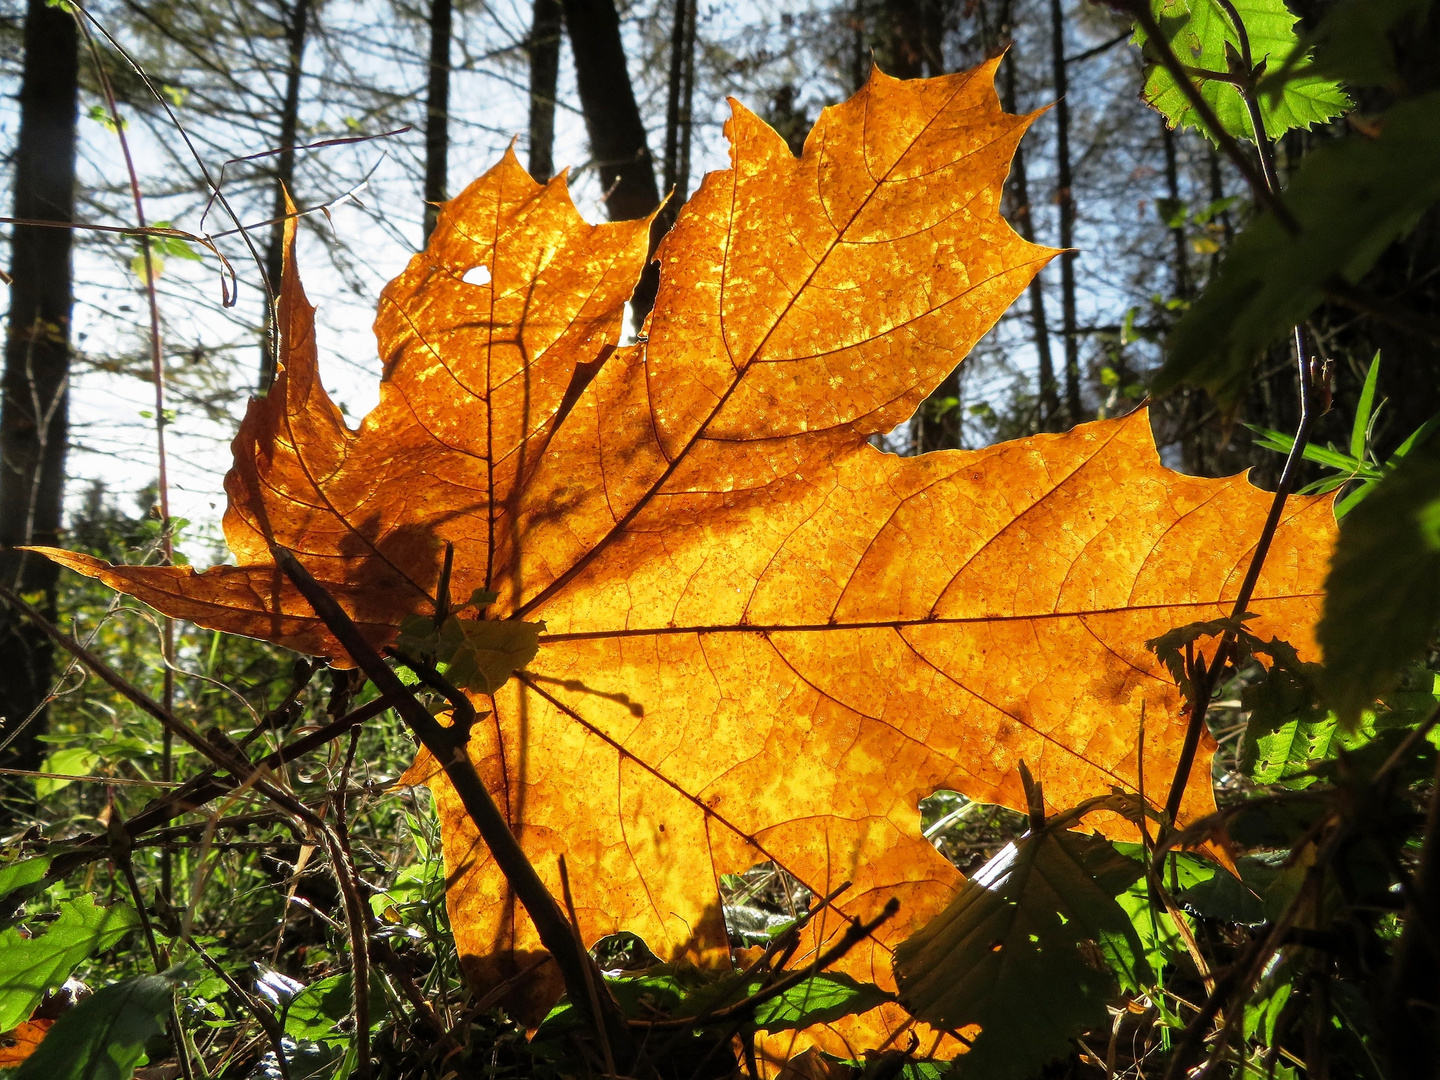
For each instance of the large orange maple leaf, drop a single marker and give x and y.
(764, 638)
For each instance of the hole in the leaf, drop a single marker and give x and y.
(623, 951)
(966, 832)
(477, 275)
(761, 903)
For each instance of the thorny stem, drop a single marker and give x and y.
(1246, 84)
(450, 753)
(1266, 189)
(1205, 686)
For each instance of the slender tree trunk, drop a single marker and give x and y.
(1065, 197)
(612, 120)
(676, 175)
(437, 114)
(861, 55)
(544, 77)
(33, 414)
(907, 46)
(1217, 193)
(1181, 270)
(687, 101)
(284, 176)
(1046, 392)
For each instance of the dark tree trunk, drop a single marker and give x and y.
(437, 114)
(612, 120)
(33, 415)
(544, 76)
(908, 46)
(284, 176)
(676, 179)
(1065, 198)
(1180, 272)
(1047, 395)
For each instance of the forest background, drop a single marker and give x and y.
(368, 114)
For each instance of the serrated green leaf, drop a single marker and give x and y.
(1382, 596)
(821, 1000)
(1351, 198)
(313, 1013)
(31, 966)
(103, 1037)
(1006, 953)
(1199, 32)
(22, 873)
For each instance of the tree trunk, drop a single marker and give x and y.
(1181, 270)
(33, 414)
(1064, 196)
(906, 44)
(612, 120)
(1047, 394)
(544, 76)
(284, 180)
(676, 178)
(909, 43)
(437, 114)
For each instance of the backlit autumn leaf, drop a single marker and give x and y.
(20, 1042)
(764, 638)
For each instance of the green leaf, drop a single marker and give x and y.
(1006, 953)
(1351, 43)
(21, 874)
(31, 966)
(1382, 596)
(103, 1037)
(76, 761)
(1173, 212)
(478, 655)
(1202, 37)
(1416, 438)
(821, 1000)
(1351, 198)
(1289, 730)
(1230, 899)
(313, 1013)
(1361, 428)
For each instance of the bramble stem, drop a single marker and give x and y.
(448, 747)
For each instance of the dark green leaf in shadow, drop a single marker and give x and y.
(1351, 43)
(1351, 199)
(103, 1037)
(1382, 597)
(1007, 953)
